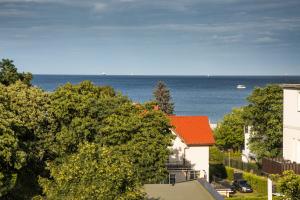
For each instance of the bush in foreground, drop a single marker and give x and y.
(93, 173)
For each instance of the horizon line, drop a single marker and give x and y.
(202, 75)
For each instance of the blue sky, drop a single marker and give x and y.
(157, 37)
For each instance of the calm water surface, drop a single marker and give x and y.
(213, 96)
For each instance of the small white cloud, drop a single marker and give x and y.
(98, 7)
(127, 1)
(14, 12)
(227, 38)
(266, 39)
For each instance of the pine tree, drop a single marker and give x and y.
(163, 98)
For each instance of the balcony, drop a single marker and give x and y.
(180, 165)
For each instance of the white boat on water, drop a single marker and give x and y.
(240, 86)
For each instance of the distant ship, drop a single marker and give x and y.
(103, 74)
(240, 86)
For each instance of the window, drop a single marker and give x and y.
(194, 175)
(172, 178)
(246, 129)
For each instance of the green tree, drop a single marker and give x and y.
(72, 123)
(264, 113)
(215, 155)
(89, 113)
(229, 133)
(144, 135)
(289, 185)
(9, 73)
(77, 113)
(92, 173)
(23, 113)
(163, 98)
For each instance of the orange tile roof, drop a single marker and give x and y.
(193, 130)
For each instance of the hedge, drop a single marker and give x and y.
(247, 198)
(253, 198)
(229, 172)
(258, 183)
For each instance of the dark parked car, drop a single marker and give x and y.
(242, 186)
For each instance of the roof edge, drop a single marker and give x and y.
(290, 86)
(198, 145)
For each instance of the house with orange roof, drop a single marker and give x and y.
(190, 151)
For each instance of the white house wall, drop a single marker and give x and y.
(177, 151)
(198, 156)
(291, 125)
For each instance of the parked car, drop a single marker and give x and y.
(242, 186)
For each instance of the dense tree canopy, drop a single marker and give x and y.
(9, 73)
(90, 113)
(289, 185)
(145, 138)
(163, 98)
(264, 113)
(94, 172)
(22, 122)
(77, 113)
(123, 145)
(229, 133)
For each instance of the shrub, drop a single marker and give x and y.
(247, 198)
(217, 170)
(229, 173)
(253, 198)
(215, 155)
(289, 185)
(258, 183)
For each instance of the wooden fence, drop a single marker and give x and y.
(279, 165)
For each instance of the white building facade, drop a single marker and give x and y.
(190, 150)
(291, 122)
(247, 155)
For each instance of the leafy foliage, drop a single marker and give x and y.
(92, 173)
(88, 113)
(82, 141)
(229, 133)
(22, 116)
(77, 113)
(264, 113)
(215, 155)
(9, 73)
(230, 173)
(258, 183)
(289, 185)
(163, 98)
(216, 166)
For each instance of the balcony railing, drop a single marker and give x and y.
(179, 166)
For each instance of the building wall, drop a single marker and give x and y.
(247, 155)
(177, 150)
(197, 156)
(246, 150)
(291, 125)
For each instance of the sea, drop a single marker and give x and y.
(212, 96)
